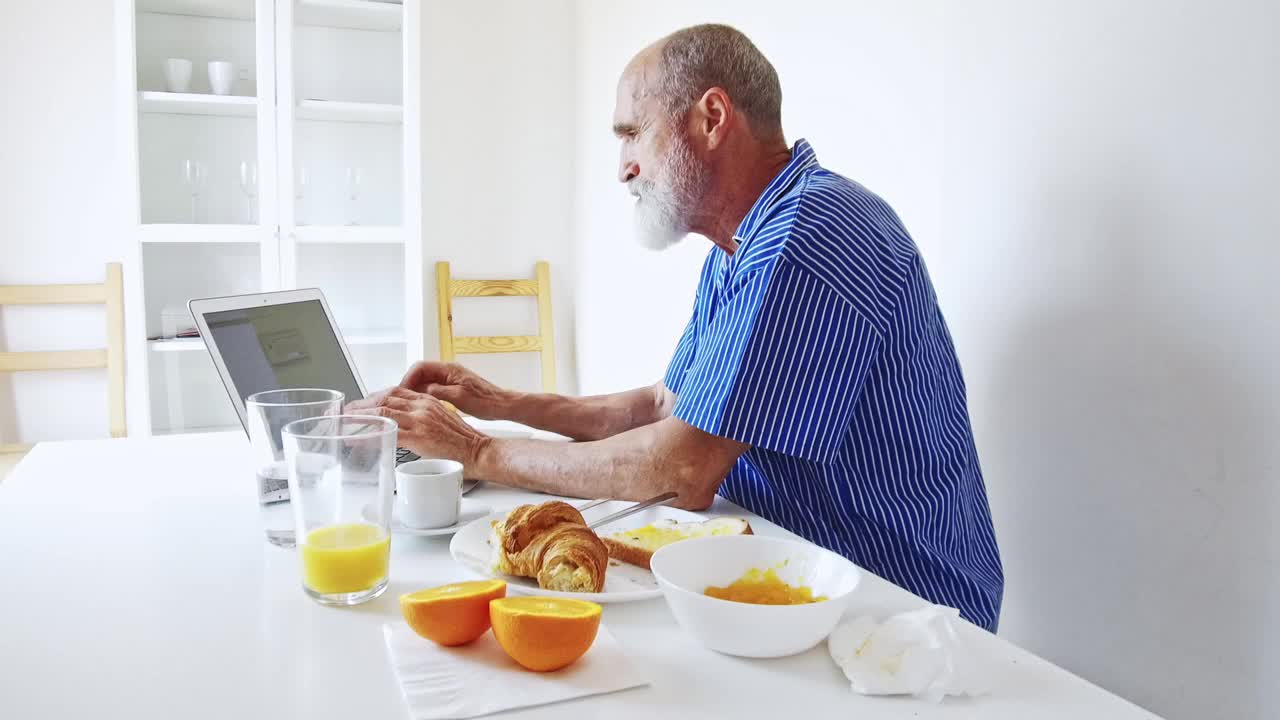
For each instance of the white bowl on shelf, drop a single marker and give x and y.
(685, 569)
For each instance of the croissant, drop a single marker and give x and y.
(552, 543)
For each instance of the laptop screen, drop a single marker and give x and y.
(277, 347)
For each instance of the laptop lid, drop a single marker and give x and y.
(275, 341)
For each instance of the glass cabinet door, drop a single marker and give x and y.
(205, 92)
(198, 109)
(343, 83)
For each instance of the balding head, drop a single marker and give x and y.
(691, 61)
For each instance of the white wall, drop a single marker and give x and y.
(1092, 186)
(58, 215)
(498, 165)
(1110, 239)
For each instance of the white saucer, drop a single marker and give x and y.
(470, 512)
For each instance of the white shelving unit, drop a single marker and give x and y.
(306, 178)
(230, 9)
(154, 101)
(351, 14)
(338, 111)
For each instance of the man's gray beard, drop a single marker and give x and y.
(662, 214)
(657, 222)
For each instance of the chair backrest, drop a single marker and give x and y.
(109, 293)
(448, 288)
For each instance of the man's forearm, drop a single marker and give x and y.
(633, 465)
(590, 418)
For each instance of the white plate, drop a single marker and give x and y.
(468, 513)
(623, 582)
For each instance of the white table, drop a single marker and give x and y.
(135, 582)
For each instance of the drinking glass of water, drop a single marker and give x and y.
(267, 413)
(341, 481)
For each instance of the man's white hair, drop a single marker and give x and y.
(701, 57)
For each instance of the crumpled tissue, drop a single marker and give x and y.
(913, 653)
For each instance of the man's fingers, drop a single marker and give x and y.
(402, 392)
(396, 402)
(403, 418)
(365, 410)
(366, 402)
(448, 393)
(424, 373)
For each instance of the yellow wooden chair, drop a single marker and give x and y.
(448, 288)
(109, 293)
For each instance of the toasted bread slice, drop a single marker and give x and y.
(638, 545)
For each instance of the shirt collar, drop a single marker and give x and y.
(802, 158)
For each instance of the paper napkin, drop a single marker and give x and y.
(913, 653)
(479, 679)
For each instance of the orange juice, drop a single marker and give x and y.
(345, 558)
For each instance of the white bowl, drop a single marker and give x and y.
(685, 569)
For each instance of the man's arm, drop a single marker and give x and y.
(667, 455)
(586, 418)
(592, 418)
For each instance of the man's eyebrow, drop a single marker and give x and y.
(621, 129)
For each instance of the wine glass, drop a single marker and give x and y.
(249, 186)
(355, 176)
(194, 176)
(299, 192)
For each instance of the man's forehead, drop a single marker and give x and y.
(636, 81)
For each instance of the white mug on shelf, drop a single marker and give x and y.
(177, 75)
(222, 76)
(429, 493)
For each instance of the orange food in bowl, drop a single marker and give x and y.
(763, 587)
(453, 614)
(544, 634)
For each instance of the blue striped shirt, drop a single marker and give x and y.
(820, 344)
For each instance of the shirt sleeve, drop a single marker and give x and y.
(683, 356)
(781, 365)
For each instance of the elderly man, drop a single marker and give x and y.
(816, 383)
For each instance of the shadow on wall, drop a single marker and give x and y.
(1129, 443)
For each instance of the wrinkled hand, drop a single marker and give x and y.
(427, 427)
(457, 385)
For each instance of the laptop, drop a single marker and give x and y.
(277, 341)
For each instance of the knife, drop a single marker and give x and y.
(662, 499)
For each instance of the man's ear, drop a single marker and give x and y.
(715, 115)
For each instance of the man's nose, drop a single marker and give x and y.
(628, 170)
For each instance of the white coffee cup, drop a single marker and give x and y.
(177, 75)
(429, 493)
(222, 76)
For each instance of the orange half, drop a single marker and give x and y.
(454, 614)
(544, 634)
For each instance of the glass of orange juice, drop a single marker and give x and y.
(341, 482)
